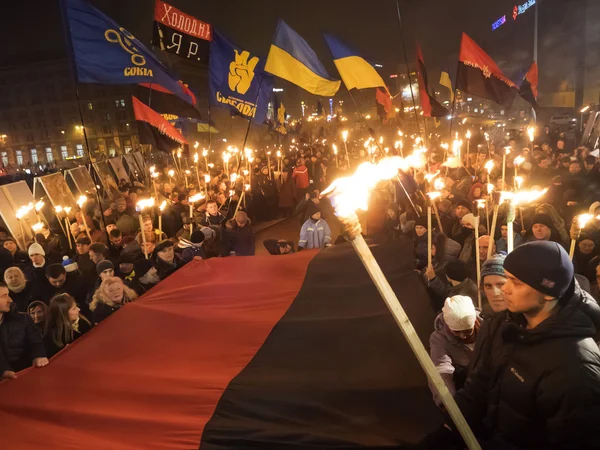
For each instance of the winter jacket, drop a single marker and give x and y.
(164, 269)
(102, 311)
(539, 388)
(315, 234)
(442, 288)
(52, 348)
(218, 220)
(502, 244)
(20, 342)
(189, 250)
(239, 240)
(300, 175)
(139, 287)
(450, 355)
(22, 299)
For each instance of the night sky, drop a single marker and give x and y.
(372, 27)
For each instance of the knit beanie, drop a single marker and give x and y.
(493, 266)
(459, 313)
(457, 270)
(452, 249)
(104, 265)
(544, 219)
(543, 265)
(36, 249)
(422, 220)
(464, 203)
(141, 267)
(208, 232)
(197, 237)
(470, 219)
(69, 264)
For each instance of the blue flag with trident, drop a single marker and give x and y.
(104, 52)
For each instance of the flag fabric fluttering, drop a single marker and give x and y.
(165, 102)
(238, 80)
(181, 34)
(291, 58)
(429, 105)
(529, 86)
(479, 75)
(279, 119)
(447, 82)
(384, 104)
(154, 129)
(105, 52)
(355, 71)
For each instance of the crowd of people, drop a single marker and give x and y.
(514, 336)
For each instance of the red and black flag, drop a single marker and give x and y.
(311, 359)
(154, 129)
(384, 104)
(164, 102)
(181, 34)
(529, 87)
(479, 75)
(430, 106)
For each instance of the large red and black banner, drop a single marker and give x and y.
(180, 33)
(479, 75)
(266, 352)
(429, 105)
(164, 102)
(154, 129)
(529, 87)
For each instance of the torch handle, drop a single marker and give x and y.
(391, 301)
(492, 231)
(477, 266)
(143, 235)
(572, 249)
(429, 233)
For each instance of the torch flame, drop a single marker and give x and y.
(345, 135)
(489, 166)
(531, 133)
(145, 203)
(58, 209)
(67, 209)
(81, 201)
(206, 178)
(37, 227)
(197, 144)
(439, 184)
(519, 160)
(39, 205)
(196, 157)
(431, 176)
(468, 135)
(490, 188)
(196, 198)
(583, 219)
(152, 169)
(522, 197)
(171, 172)
(204, 153)
(480, 203)
(433, 195)
(519, 182)
(334, 149)
(233, 177)
(163, 205)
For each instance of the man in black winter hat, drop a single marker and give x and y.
(538, 385)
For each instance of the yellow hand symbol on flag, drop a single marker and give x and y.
(241, 72)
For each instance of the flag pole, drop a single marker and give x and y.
(407, 67)
(76, 85)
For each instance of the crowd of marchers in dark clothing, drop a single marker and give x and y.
(517, 350)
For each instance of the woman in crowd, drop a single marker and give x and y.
(64, 324)
(110, 297)
(19, 288)
(37, 310)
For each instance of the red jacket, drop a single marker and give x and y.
(300, 174)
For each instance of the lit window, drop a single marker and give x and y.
(90, 106)
(64, 152)
(19, 157)
(49, 154)
(5, 158)
(79, 150)
(34, 158)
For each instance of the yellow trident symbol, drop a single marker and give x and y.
(241, 72)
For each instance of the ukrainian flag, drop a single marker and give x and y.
(355, 71)
(292, 59)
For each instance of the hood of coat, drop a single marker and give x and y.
(440, 326)
(578, 315)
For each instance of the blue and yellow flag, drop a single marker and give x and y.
(292, 59)
(447, 82)
(355, 71)
(238, 80)
(104, 52)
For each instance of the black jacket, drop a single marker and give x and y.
(23, 298)
(139, 287)
(165, 269)
(102, 311)
(20, 342)
(540, 388)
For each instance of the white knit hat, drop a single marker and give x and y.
(459, 313)
(470, 219)
(36, 249)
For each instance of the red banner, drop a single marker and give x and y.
(172, 17)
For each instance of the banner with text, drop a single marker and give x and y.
(181, 34)
(238, 80)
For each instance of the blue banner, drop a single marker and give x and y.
(105, 52)
(236, 76)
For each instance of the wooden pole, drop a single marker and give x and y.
(409, 332)
(493, 230)
(429, 233)
(477, 265)
(143, 234)
(243, 196)
(437, 215)
(572, 249)
(68, 232)
(510, 239)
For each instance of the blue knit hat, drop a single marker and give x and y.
(493, 266)
(543, 265)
